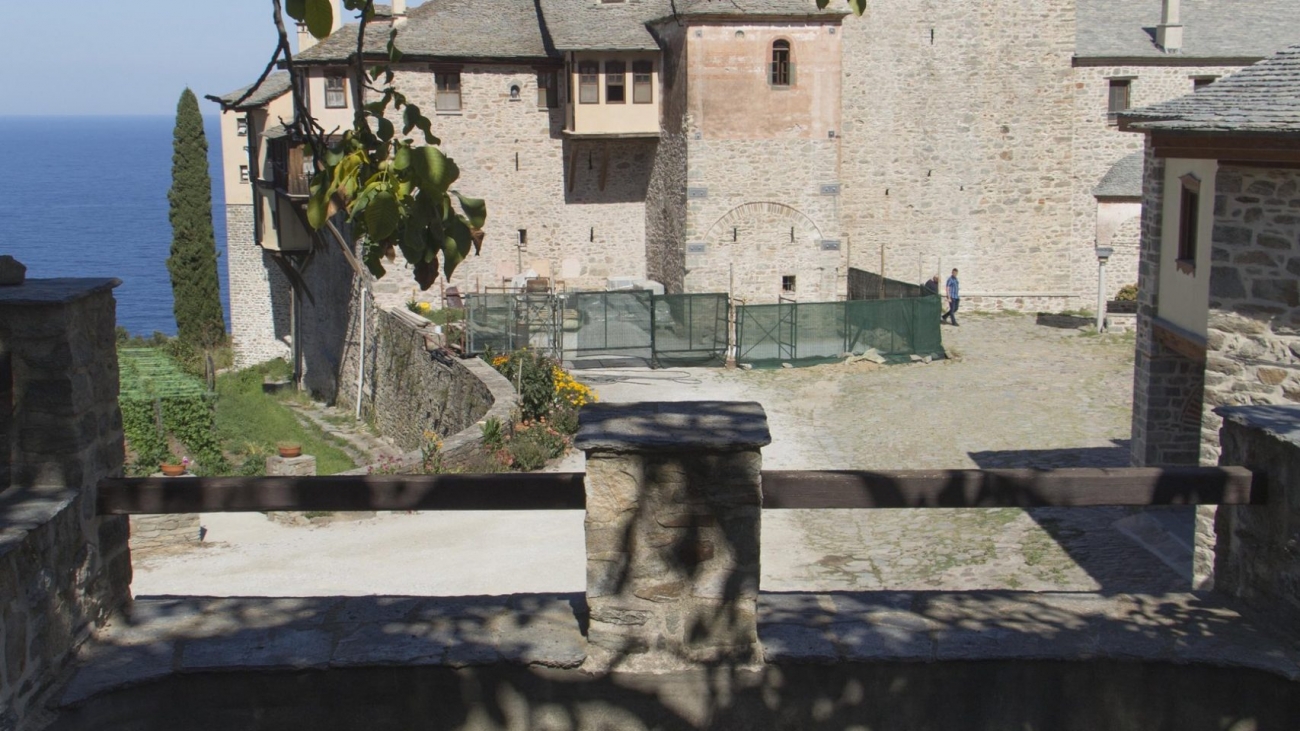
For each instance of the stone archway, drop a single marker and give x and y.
(750, 248)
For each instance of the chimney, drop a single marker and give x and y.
(399, 12)
(307, 40)
(1169, 34)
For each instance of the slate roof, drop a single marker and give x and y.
(445, 29)
(1250, 29)
(759, 8)
(583, 25)
(275, 85)
(1123, 180)
(1264, 97)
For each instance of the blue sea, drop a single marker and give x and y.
(87, 197)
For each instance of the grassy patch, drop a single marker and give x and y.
(250, 423)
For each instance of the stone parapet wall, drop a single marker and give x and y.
(259, 294)
(1256, 559)
(63, 569)
(151, 532)
(407, 391)
(1253, 334)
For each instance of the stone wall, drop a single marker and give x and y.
(956, 131)
(1098, 144)
(666, 202)
(581, 201)
(259, 294)
(63, 569)
(406, 390)
(1255, 559)
(151, 532)
(1253, 334)
(762, 191)
(1167, 385)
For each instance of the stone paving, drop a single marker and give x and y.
(1015, 394)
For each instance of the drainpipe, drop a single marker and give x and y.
(1169, 34)
(361, 354)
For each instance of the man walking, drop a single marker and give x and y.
(954, 298)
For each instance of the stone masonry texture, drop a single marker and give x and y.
(672, 533)
(259, 294)
(1253, 333)
(63, 569)
(1256, 560)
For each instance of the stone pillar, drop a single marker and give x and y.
(63, 570)
(673, 510)
(304, 465)
(1256, 554)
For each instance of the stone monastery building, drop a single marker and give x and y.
(757, 147)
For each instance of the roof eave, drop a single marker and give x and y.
(1083, 60)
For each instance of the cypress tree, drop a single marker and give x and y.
(196, 293)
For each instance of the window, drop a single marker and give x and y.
(1119, 97)
(548, 90)
(643, 82)
(241, 127)
(615, 78)
(1200, 82)
(588, 82)
(243, 173)
(780, 63)
(336, 96)
(787, 283)
(1188, 215)
(447, 94)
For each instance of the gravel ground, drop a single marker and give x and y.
(1016, 394)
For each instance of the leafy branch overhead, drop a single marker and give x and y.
(397, 194)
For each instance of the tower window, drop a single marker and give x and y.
(1188, 215)
(643, 82)
(336, 96)
(243, 173)
(588, 82)
(548, 90)
(1119, 99)
(615, 78)
(447, 96)
(787, 283)
(780, 63)
(241, 127)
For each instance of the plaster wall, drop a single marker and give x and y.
(259, 294)
(615, 118)
(331, 118)
(1119, 226)
(1183, 296)
(762, 195)
(956, 136)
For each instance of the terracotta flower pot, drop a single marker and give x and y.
(172, 470)
(290, 450)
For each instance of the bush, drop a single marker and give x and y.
(494, 434)
(565, 419)
(534, 443)
(533, 377)
(1127, 293)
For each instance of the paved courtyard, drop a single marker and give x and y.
(1015, 394)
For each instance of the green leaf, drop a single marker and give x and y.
(297, 9)
(382, 216)
(475, 209)
(320, 17)
(386, 131)
(821, 4)
(859, 6)
(402, 158)
(434, 170)
(373, 253)
(318, 204)
(456, 244)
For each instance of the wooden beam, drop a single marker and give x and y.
(1010, 488)
(506, 491)
(1185, 343)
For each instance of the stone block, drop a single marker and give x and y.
(300, 466)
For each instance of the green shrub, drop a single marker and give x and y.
(565, 419)
(534, 443)
(494, 434)
(533, 376)
(1127, 293)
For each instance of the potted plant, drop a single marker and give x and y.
(174, 467)
(289, 450)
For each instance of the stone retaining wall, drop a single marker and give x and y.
(151, 532)
(63, 569)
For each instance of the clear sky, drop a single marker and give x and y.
(88, 57)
